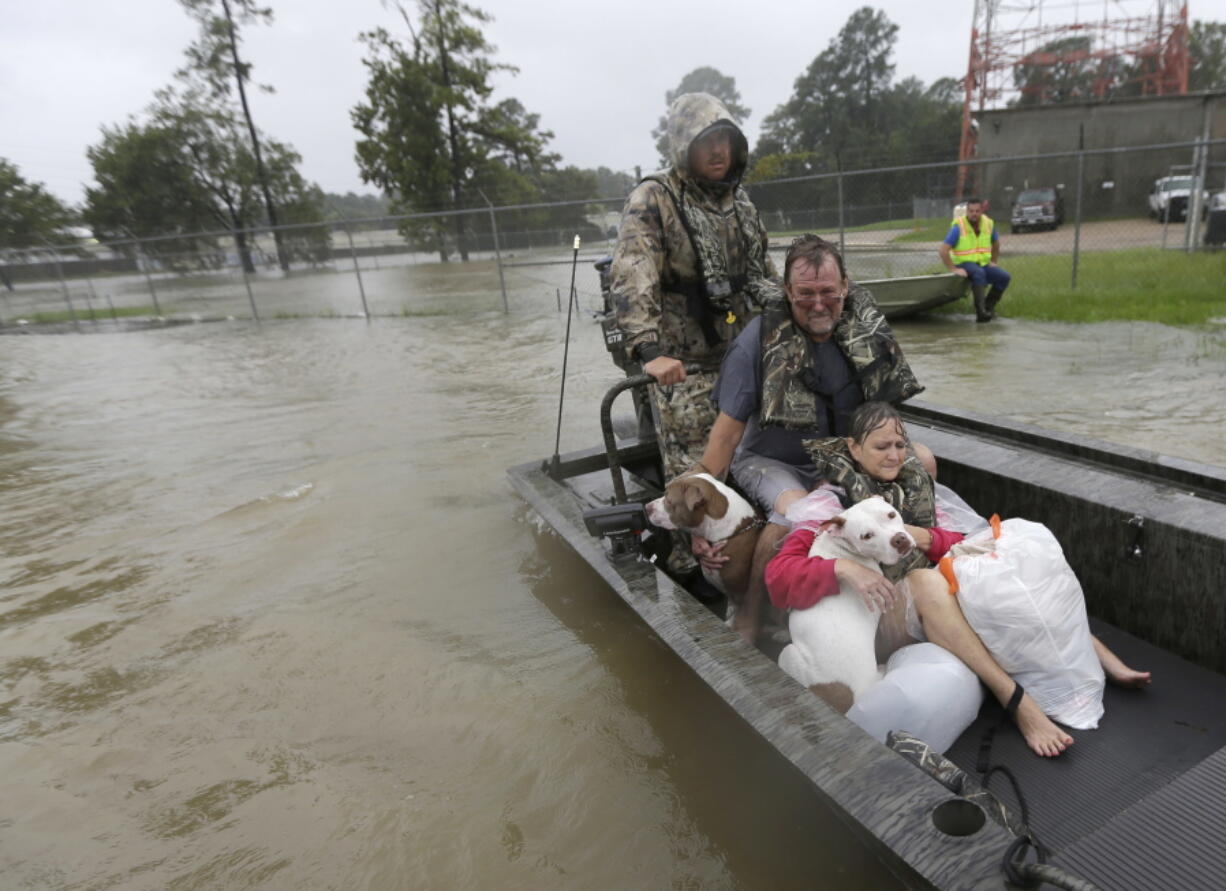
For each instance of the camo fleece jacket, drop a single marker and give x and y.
(654, 250)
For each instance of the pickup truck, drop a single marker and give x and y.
(1168, 199)
(1037, 209)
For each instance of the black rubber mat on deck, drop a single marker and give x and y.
(1111, 790)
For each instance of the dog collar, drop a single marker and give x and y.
(756, 523)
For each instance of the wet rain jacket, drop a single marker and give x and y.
(691, 266)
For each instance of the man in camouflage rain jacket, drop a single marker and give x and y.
(797, 373)
(689, 271)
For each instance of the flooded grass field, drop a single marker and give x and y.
(271, 616)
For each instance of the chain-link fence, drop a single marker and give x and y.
(1053, 211)
(1053, 208)
(396, 265)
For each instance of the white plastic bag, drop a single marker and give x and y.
(954, 513)
(823, 503)
(926, 691)
(1023, 600)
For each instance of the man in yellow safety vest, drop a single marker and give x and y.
(971, 250)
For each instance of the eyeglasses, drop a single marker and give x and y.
(809, 299)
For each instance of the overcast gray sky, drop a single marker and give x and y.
(595, 72)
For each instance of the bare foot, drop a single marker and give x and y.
(1119, 673)
(1127, 677)
(1043, 736)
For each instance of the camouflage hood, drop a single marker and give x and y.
(691, 115)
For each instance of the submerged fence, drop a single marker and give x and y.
(1058, 207)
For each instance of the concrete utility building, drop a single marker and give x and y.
(1115, 184)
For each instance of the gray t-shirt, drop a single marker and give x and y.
(738, 394)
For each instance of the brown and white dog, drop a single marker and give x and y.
(701, 505)
(832, 650)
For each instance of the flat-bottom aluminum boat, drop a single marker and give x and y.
(1135, 804)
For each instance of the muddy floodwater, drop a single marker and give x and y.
(272, 617)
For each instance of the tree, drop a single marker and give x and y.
(612, 183)
(1207, 50)
(845, 111)
(351, 206)
(836, 102)
(29, 215)
(186, 171)
(146, 188)
(700, 80)
(213, 61)
(430, 137)
(1068, 70)
(513, 135)
(198, 162)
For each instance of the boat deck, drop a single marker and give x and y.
(1115, 788)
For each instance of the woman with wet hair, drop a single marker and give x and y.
(877, 459)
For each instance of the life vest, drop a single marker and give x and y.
(911, 493)
(791, 401)
(709, 294)
(972, 247)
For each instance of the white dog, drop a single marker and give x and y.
(832, 651)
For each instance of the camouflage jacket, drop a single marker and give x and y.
(655, 262)
(911, 492)
(865, 339)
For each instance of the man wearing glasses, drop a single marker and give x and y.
(797, 372)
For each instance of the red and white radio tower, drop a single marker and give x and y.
(1027, 52)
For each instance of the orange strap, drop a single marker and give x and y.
(946, 568)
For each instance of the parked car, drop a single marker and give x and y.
(1215, 220)
(1037, 209)
(1168, 199)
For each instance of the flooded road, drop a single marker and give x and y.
(271, 616)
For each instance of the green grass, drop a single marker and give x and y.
(927, 230)
(921, 230)
(1143, 285)
(62, 315)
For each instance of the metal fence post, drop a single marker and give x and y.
(143, 262)
(59, 271)
(94, 295)
(255, 313)
(356, 270)
(1200, 183)
(1081, 171)
(842, 243)
(1166, 222)
(1196, 203)
(502, 282)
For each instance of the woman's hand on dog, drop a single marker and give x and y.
(877, 592)
(709, 555)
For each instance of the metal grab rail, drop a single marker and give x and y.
(606, 426)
